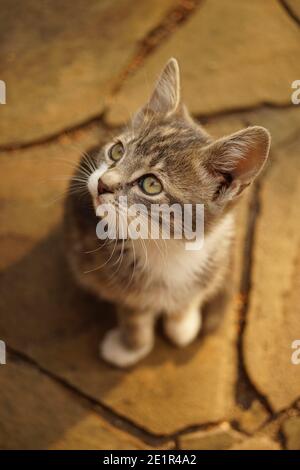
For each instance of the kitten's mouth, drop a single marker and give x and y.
(105, 198)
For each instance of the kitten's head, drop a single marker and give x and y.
(166, 157)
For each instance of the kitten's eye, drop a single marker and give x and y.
(116, 152)
(150, 185)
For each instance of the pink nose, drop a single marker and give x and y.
(102, 188)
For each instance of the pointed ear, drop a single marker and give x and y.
(166, 95)
(236, 160)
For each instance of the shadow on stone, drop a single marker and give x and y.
(46, 316)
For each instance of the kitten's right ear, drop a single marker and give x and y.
(166, 95)
(236, 160)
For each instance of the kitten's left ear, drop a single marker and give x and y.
(236, 160)
(166, 95)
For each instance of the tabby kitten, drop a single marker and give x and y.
(162, 157)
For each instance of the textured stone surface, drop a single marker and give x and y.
(60, 62)
(256, 443)
(283, 124)
(273, 317)
(59, 59)
(36, 413)
(32, 189)
(294, 6)
(252, 418)
(219, 438)
(226, 51)
(291, 430)
(60, 327)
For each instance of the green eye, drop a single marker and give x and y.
(116, 152)
(150, 185)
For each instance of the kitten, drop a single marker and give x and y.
(162, 157)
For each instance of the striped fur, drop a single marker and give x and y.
(149, 278)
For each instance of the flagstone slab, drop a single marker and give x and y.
(283, 124)
(291, 430)
(32, 190)
(37, 413)
(274, 310)
(256, 443)
(219, 438)
(252, 418)
(232, 55)
(59, 60)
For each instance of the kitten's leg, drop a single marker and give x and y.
(183, 327)
(131, 341)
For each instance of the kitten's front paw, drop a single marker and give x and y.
(114, 351)
(183, 329)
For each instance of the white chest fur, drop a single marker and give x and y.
(170, 265)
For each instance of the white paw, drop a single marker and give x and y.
(184, 330)
(113, 350)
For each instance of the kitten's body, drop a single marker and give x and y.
(146, 278)
(160, 270)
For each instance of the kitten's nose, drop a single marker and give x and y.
(103, 188)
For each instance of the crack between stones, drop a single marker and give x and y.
(113, 418)
(281, 416)
(48, 139)
(209, 427)
(100, 120)
(175, 17)
(246, 391)
(109, 415)
(205, 118)
(290, 12)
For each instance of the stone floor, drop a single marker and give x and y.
(71, 83)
